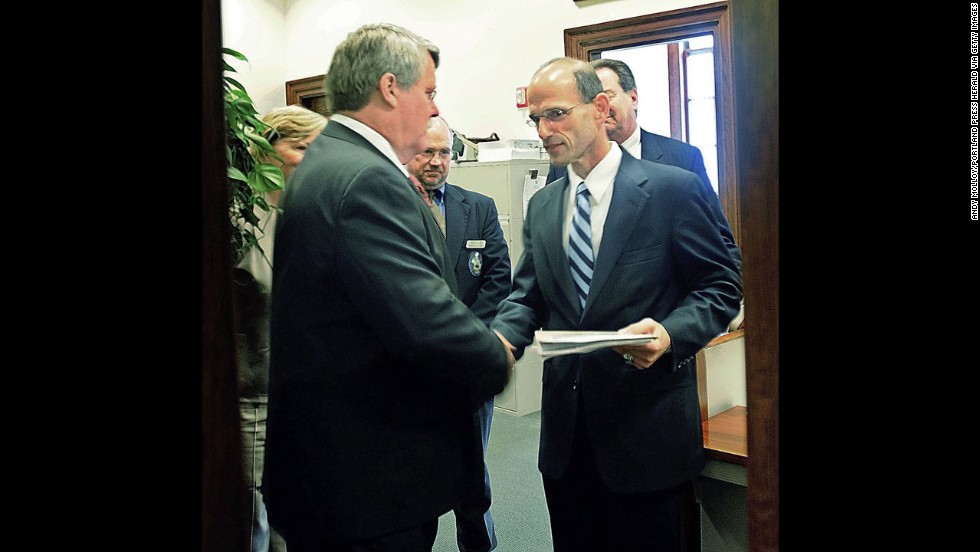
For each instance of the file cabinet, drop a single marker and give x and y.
(504, 182)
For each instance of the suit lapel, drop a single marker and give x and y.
(624, 211)
(457, 217)
(552, 221)
(649, 148)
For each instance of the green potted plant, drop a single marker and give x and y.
(248, 177)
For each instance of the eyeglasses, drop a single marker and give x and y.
(431, 95)
(554, 115)
(444, 154)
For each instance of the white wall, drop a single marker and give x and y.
(489, 47)
(257, 29)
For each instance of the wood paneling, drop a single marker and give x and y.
(308, 92)
(755, 66)
(224, 513)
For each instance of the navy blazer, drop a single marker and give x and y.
(478, 250)
(661, 257)
(375, 365)
(670, 151)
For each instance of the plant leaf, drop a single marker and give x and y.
(234, 53)
(236, 83)
(266, 177)
(235, 173)
(248, 179)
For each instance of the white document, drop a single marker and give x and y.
(554, 343)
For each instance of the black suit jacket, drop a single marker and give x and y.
(375, 365)
(670, 151)
(661, 256)
(477, 250)
(481, 259)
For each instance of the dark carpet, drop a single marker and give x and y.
(520, 514)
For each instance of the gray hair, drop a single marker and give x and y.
(369, 52)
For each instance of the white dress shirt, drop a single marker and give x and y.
(600, 185)
(632, 144)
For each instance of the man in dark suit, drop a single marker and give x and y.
(621, 441)
(376, 366)
(622, 127)
(478, 251)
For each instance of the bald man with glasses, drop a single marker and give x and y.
(623, 128)
(624, 244)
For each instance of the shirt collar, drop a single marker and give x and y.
(371, 135)
(632, 144)
(602, 176)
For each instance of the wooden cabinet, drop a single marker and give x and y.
(504, 182)
(308, 92)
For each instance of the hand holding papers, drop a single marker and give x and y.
(554, 343)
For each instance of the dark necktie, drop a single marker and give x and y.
(580, 244)
(436, 211)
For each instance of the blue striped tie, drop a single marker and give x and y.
(580, 244)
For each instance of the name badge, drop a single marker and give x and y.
(476, 244)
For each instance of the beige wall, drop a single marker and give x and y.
(489, 47)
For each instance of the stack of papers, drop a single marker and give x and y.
(549, 344)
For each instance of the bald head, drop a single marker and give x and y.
(570, 71)
(565, 96)
(431, 167)
(438, 125)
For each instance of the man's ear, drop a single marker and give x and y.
(387, 86)
(601, 102)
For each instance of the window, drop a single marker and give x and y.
(697, 56)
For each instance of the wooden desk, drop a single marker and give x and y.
(726, 446)
(724, 483)
(725, 436)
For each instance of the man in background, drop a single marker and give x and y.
(376, 366)
(479, 253)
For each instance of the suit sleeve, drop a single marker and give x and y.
(392, 275)
(697, 166)
(706, 269)
(524, 310)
